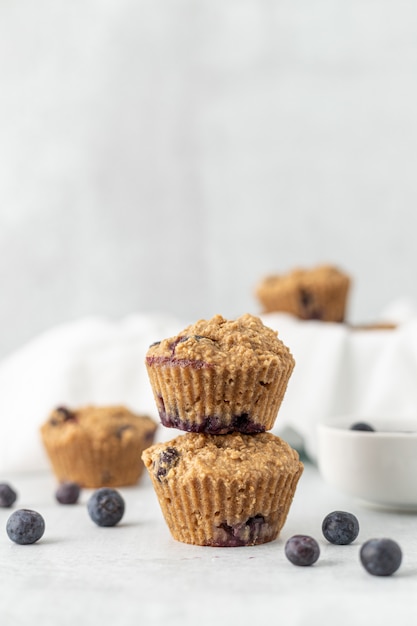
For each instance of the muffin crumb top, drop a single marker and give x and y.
(218, 341)
(231, 456)
(97, 422)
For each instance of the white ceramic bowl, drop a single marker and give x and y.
(379, 467)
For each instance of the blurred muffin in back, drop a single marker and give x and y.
(320, 293)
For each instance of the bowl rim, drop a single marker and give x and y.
(340, 424)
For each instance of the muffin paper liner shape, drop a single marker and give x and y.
(204, 399)
(209, 511)
(319, 293)
(92, 466)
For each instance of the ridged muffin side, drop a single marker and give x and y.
(97, 446)
(220, 376)
(224, 490)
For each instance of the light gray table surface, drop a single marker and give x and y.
(135, 573)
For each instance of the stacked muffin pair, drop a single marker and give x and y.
(226, 481)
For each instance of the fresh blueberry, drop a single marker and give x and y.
(362, 426)
(106, 507)
(122, 429)
(302, 550)
(25, 526)
(68, 493)
(7, 495)
(381, 557)
(340, 527)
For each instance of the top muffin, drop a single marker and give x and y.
(218, 376)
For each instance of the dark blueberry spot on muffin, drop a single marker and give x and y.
(306, 298)
(62, 414)
(155, 343)
(106, 477)
(66, 413)
(119, 432)
(174, 343)
(308, 307)
(316, 315)
(212, 424)
(160, 405)
(200, 337)
(182, 339)
(149, 436)
(242, 423)
(247, 533)
(167, 459)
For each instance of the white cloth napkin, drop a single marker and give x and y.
(339, 371)
(90, 361)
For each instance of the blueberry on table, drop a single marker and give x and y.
(68, 492)
(302, 550)
(25, 526)
(106, 507)
(7, 495)
(381, 557)
(364, 426)
(340, 527)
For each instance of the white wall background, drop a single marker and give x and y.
(163, 155)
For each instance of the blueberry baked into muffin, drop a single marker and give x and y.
(224, 490)
(220, 376)
(319, 293)
(97, 446)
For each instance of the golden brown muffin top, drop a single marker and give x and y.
(235, 456)
(322, 274)
(97, 423)
(245, 341)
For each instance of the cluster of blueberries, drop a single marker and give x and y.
(106, 507)
(380, 557)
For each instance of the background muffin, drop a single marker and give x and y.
(220, 376)
(231, 490)
(320, 293)
(97, 446)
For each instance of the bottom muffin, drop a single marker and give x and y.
(224, 490)
(97, 446)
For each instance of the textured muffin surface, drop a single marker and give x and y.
(219, 376)
(224, 490)
(220, 342)
(318, 293)
(97, 446)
